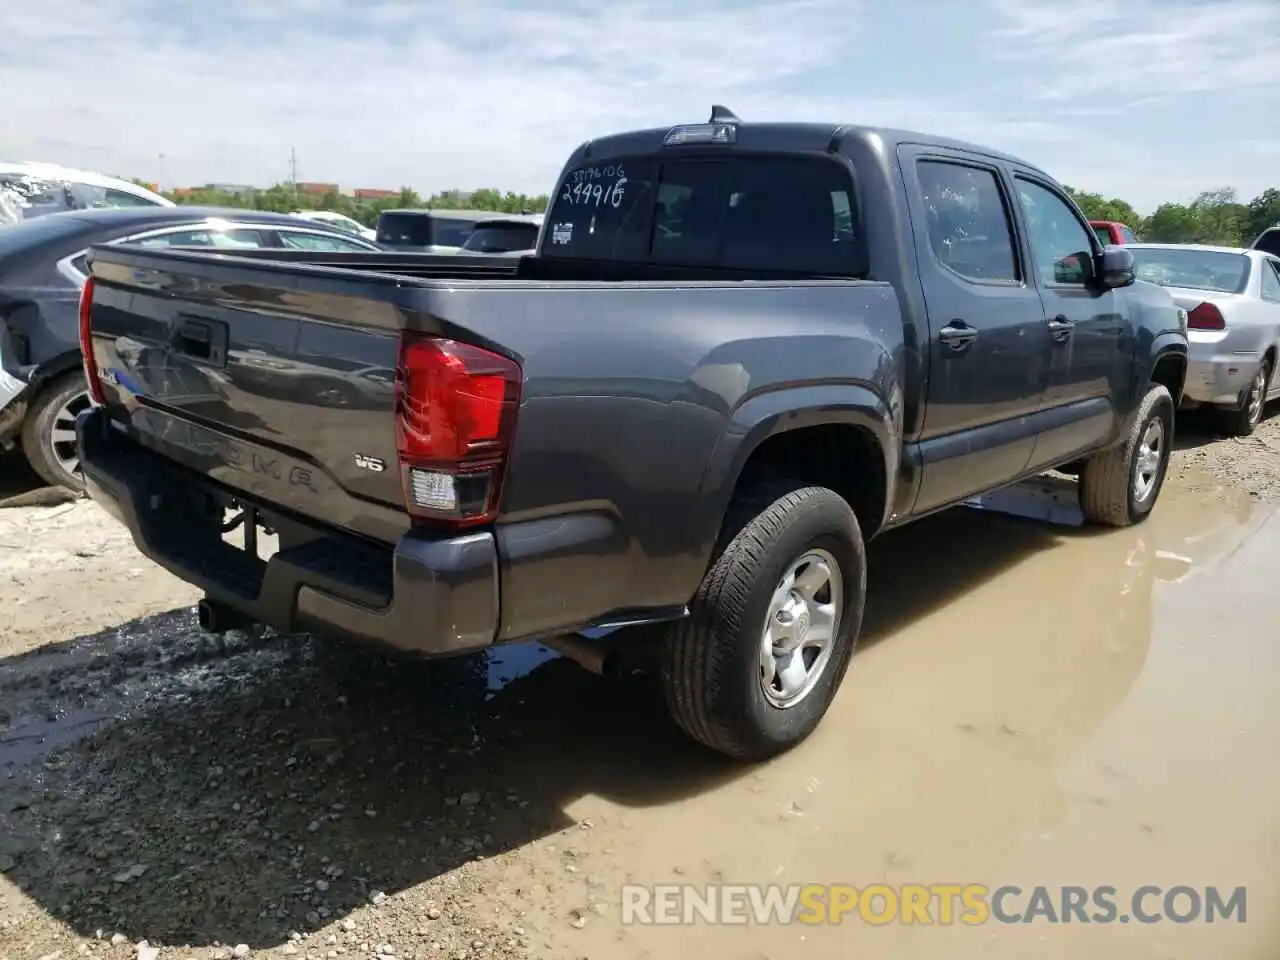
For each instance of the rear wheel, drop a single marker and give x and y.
(1244, 419)
(1119, 487)
(753, 670)
(49, 431)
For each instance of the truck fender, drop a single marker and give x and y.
(774, 412)
(1165, 346)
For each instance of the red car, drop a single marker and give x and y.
(1111, 232)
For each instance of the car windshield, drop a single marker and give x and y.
(502, 237)
(1214, 270)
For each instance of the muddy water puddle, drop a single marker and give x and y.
(1060, 706)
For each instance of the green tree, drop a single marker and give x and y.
(1222, 218)
(1096, 207)
(1263, 212)
(1172, 223)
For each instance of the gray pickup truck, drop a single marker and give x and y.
(739, 351)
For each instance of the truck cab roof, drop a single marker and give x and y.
(788, 136)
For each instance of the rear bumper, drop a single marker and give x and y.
(1218, 378)
(424, 597)
(11, 392)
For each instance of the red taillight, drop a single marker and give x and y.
(86, 345)
(1206, 317)
(455, 412)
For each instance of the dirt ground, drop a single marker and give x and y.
(1032, 700)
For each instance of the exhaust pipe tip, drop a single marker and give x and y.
(214, 616)
(206, 617)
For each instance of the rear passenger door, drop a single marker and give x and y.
(987, 336)
(1090, 330)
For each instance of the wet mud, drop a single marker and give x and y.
(1034, 703)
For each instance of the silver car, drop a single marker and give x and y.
(1232, 299)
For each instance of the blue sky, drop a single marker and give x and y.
(1146, 99)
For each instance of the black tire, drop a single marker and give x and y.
(44, 431)
(1107, 482)
(711, 661)
(1241, 421)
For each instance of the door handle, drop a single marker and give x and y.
(957, 335)
(1060, 328)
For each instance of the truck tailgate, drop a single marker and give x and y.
(285, 394)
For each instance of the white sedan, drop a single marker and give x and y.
(1232, 299)
(341, 221)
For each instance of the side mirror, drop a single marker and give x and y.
(1116, 268)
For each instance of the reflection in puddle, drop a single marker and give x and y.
(512, 661)
(1050, 499)
(29, 739)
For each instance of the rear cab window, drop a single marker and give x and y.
(423, 230)
(502, 237)
(781, 212)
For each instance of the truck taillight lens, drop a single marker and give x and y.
(1206, 317)
(456, 409)
(86, 345)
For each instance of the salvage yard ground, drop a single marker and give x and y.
(1048, 703)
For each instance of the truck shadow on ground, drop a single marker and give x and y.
(225, 791)
(20, 486)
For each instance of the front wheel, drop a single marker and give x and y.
(753, 669)
(1119, 487)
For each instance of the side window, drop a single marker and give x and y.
(225, 239)
(1103, 234)
(1271, 280)
(118, 198)
(967, 220)
(1127, 235)
(1060, 243)
(317, 241)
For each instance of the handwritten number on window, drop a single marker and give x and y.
(583, 192)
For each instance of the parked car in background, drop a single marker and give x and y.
(429, 231)
(42, 269)
(740, 351)
(512, 235)
(338, 220)
(1232, 299)
(1113, 232)
(1268, 241)
(65, 188)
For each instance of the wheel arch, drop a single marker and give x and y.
(842, 437)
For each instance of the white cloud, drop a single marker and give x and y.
(436, 94)
(1142, 51)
